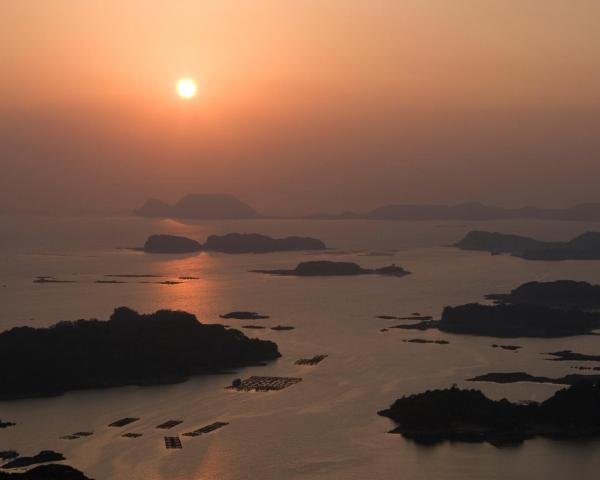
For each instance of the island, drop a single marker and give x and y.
(46, 472)
(514, 377)
(205, 206)
(468, 415)
(231, 243)
(561, 293)
(244, 315)
(171, 244)
(129, 349)
(4, 424)
(324, 268)
(519, 320)
(583, 247)
(257, 243)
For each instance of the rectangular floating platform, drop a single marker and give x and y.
(169, 424)
(131, 435)
(123, 421)
(207, 429)
(311, 361)
(264, 384)
(173, 442)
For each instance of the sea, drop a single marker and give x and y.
(325, 427)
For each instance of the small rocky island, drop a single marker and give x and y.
(583, 247)
(468, 415)
(323, 268)
(129, 349)
(561, 293)
(231, 243)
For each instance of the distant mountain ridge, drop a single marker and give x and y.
(469, 211)
(205, 206)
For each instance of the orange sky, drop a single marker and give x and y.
(302, 105)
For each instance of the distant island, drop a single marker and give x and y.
(520, 320)
(324, 268)
(129, 349)
(231, 243)
(46, 472)
(171, 244)
(467, 211)
(204, 206)
(561, 293)
(583, 247)
(468, 415)
(514, 377)
(257, 243)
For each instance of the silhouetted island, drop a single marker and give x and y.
(257, 243)
(323, 268)
(520, 320)
(171, 244)
(46, 472)
(514, 377)
(243, 315)
(129, 349)
(231, 243)
(206, 206)
(468, 415)
(584, 247)
(4, 424)
(561, 293)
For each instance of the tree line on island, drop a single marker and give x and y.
(128, 349)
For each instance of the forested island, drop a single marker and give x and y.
(231, 243)
(561, 293)
(129, 349)
(468, 415)
(584, 247)
(324, 268)
(519, 320)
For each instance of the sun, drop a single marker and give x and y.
(186, 88)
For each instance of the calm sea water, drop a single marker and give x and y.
(326, 427)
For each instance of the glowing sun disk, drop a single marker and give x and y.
(186, 88)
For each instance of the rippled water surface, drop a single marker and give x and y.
(325, 427)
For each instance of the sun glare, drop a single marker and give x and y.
(186, 88)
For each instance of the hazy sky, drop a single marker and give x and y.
(303, 105)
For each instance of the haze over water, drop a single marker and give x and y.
(326, 426)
